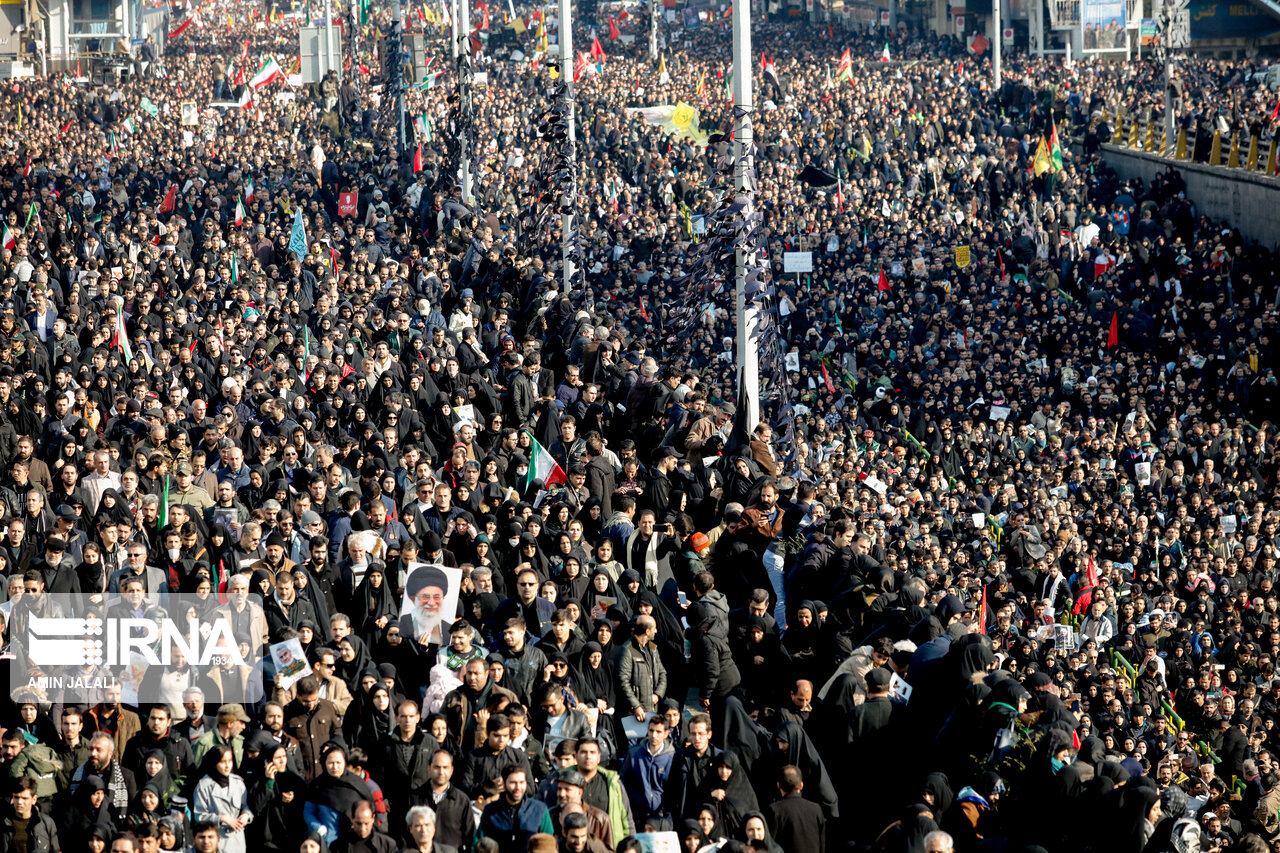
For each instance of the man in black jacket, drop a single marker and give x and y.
(363, 835)
(796, 823)
(405, 760)
(455, 819)
(40, 830)
(690, 767)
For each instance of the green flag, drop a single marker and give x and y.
(162, 520)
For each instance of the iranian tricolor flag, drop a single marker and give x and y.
(131, 125)
(239, 213)
(120, 339)
(9, 240)
(542, 466)
(269, 71)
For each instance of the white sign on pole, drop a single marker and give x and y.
(1007, 36)
(959, 23)
(884, 17)
(797, 262)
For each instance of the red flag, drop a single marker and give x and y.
(830, 34)
(826, 377)
(1075, 739)
(623, 15)
(982, 611)
(417, 159)
(346, 204)
(644, 315)
(66, 127)
(614, 35)
(597, 52)
(182, 28)
(579, 66)
(170, 200)
(884, 281)
(1000, 258)
(1275, 111)
(26, 170)
(484, 10)
(728, 13)
(1113, 337)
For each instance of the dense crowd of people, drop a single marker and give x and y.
(995, 570)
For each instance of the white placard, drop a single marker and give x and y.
(797, 262)
(793, 362)
(466, 415)
(899, 690)
(1000, 413)
(1142, 471)
(659, 842)
(875, 484)
(1229, 524)
(291, 662)
(427, 613)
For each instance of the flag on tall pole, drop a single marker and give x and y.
(269, 71)
(614, 34)
(162, 520)
(298, 239)
(542, 466)
(844, 71)
(120, 338)
(1048, 153)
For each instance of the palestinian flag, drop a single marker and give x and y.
(844, 71)
(542, 466)
(269, 71)
(1048, 153)
(120, 339)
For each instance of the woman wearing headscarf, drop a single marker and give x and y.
(333, 794)
(791, 745)
(89, 807)
(755, 829)
(760, 656)
(221, 797)
(907, 834)
(374, 604)
(275, 798)
(602, 594)
(351, 662)
(373, 721)
(728, 787)
(147, 807)
(573, 583)
(593, 677)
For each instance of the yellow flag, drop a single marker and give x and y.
(1041, 163)
(962, 256)
(662, 64)
(518, 26)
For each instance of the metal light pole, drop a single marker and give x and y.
(464, 81)
(453, 30)
(394, 60)
(997, 44)
(565, 37)
(328, 39)
(654, 11)
(748, 319)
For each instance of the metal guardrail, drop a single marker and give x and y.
(1232, 150)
